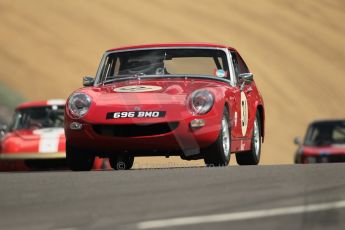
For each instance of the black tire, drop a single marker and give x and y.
(217, 154)
(78, 160)
(121, 161)
(252, 157)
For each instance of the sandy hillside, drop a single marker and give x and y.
(296, 49)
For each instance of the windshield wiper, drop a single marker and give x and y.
(120, 78)
(133, 76)
(146, 76)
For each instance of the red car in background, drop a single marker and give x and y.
(324, 142)
(35, 139)
(197, 101)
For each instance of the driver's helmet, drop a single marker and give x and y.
(150, 65)
(37, 117)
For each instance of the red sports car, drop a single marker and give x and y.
(198, 101)
(35, 139)
(324, 142)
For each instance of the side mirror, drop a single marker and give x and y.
(88, 81)
(297, 141)
(246, 77)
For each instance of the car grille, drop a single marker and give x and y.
(135, 130)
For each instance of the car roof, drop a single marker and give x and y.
(327, 121)
(161, 45)
(31, 104)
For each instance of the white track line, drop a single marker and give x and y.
(164, 223)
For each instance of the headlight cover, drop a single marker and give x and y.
(79, 104)
(200, 101)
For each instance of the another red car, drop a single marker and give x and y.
(323, 143)
(198, 101)
(35, 139)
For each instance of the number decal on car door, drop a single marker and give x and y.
(244, 113)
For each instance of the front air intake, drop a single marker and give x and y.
(135, 130)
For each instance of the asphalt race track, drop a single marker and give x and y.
(252, 197)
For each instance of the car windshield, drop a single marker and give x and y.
(326, 133)
(164, 62)
(38, 117)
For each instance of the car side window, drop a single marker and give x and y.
(14, 122)
(242, 65)
(239, 65)
(236, 66)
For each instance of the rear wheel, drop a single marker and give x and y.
(121, 161)
(78, 160)
(218, 154)
(252, 157)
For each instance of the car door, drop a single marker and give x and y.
(244, 100)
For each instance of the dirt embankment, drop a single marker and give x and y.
(294, 48)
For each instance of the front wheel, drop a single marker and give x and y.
(121, 161)
(252, 157)
(218, 154)
(78, 160)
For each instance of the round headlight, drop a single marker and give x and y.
(201, 101)
(79, 104)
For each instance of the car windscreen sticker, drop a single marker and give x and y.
(220, 73)
(137, 88)
(135, 114)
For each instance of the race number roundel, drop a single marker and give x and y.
(244, 113)
(137, 88)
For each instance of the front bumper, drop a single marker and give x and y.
(32, 161)
(330, 158)
(32, 156)
(181, 137)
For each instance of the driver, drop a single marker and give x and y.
(153, 65)
(37, 118)
(324, 137)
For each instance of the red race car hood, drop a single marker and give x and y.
(38, 140)
(147, 95)
(35, 134)
(153, 87)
